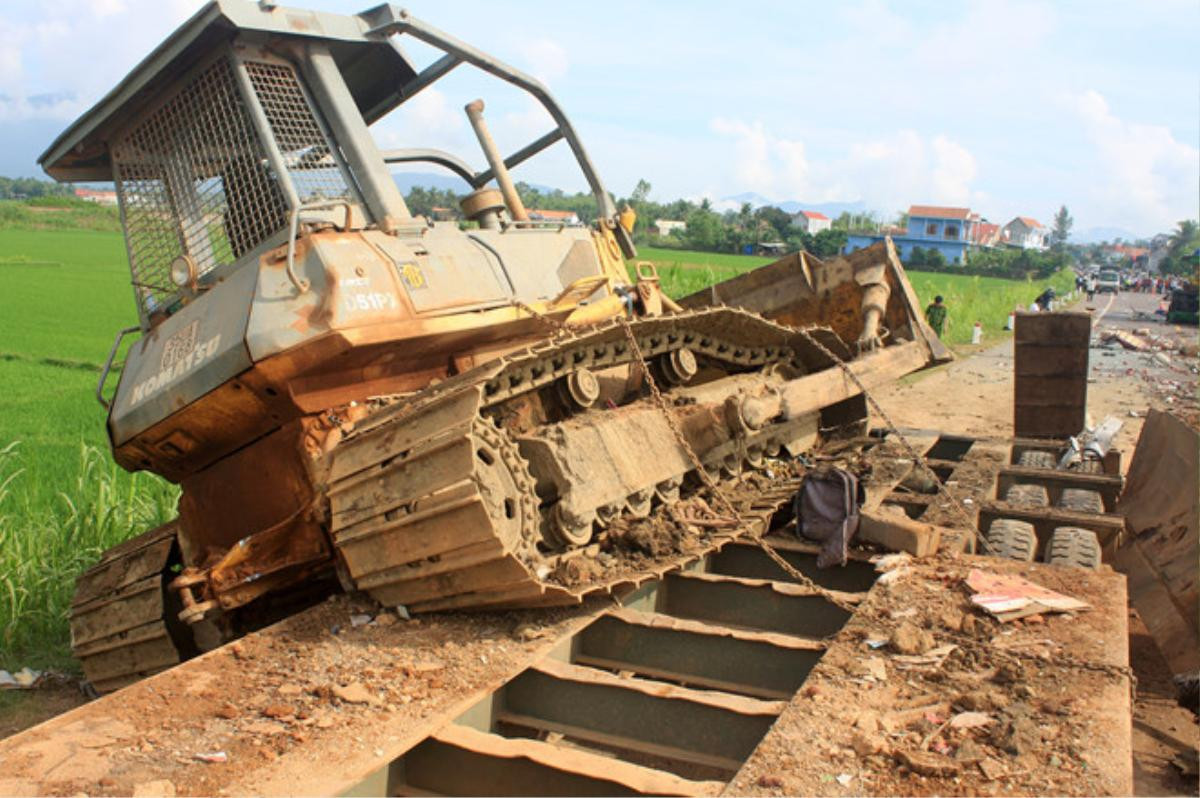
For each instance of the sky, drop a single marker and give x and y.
(1010, 108)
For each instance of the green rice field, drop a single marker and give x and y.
(62, 501)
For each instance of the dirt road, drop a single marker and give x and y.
(974, 394)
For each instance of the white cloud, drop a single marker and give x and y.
(107, 8)
(1145, 175)
(56, 62)
(546, 60)
(888, 172)
(763, 163)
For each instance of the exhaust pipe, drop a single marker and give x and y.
(515, 207)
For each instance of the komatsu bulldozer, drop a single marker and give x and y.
(432, 413)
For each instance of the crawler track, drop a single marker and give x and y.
(433, 504)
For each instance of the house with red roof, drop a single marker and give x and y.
(1025, 232)
(812, 222)
(101, 197)
(562, 217)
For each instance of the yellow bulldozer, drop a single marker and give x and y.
(433, 413)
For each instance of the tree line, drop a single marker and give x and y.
(30, 187)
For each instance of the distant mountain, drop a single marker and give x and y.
(1094, 235)
(830, 209)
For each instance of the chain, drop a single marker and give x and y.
(712, 485)
(909, 450)
(553, 324)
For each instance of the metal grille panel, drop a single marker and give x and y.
(193, 178)
(311, 165)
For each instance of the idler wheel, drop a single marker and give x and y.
(638, 504)
(678, 367)
(580, 388)
(570, 530)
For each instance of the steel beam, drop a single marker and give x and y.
(752, 604)
(691, 727)
(704, 655)
(462, 761)
(750, 561)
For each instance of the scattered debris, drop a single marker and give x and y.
(160, 788)
(353, 693)
(908, 639)
(990, 768)
(359, 620)
(212, 757)
(24, 679)
(1008, 597)
(970, 720)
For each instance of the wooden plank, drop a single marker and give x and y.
(1056, 515)
(1107, 485)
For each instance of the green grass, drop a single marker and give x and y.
(62, 499)
(969, 299)
(685, 272)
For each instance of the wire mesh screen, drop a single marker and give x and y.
(193, 178)
(314, 172)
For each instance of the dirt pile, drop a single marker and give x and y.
(924, 694)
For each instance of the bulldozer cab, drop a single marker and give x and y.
(250, 125)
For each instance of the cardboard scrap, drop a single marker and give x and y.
(1008, 597)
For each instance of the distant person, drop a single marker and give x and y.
(1045, 300)
(1091, 288)
(935, 314)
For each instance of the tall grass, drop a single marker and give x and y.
(987, 300)
(44, 546)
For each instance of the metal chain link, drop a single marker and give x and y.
(908, 448)
(712, 485)
(554, 324)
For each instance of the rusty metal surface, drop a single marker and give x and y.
(800, 289)
(1160, 505)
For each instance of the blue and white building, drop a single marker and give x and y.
(948, 230)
